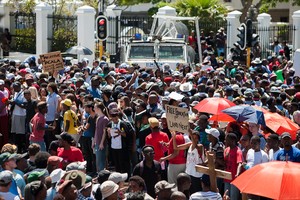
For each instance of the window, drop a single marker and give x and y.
(171, 52)
(141, 52)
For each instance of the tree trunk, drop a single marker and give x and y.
(246, 5)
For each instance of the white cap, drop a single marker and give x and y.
(2, 82)
(214, 132)
(117, 177)
(56, 175)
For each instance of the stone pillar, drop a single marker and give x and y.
(113, 14)
(296, 34)
(42, 10)
(233, 22)
(4, 12)
(86, 30)
(263, 30)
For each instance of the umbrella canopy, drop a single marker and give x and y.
(213, 105)
(221, 117)
(280, 124)
(276, 180)
(79, 50)
(245, 113)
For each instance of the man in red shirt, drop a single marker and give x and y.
(39, 126)
(233, 158)
(176, 158)
(157, 139)
(68, 153)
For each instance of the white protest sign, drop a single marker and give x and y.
(52, 61)
(177, 119)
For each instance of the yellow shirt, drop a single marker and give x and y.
(71, 116)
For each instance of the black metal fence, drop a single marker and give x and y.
(23, 30)
(64, 33)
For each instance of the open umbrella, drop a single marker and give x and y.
(245, 113)
(280, 124)
(79, 50)
(276, 180)
(221, 117)
(213, 105)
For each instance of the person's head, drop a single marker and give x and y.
(183, 182)
(33, 149)
(163, 190)
(118, 178)
(65, 140)
(10, 148)
(35, 190)
(6, 178)
(27, 95)
(148, 152)
(286, 140)
(213, 135)
(153, 99)
(41, 159)
(273, 141)
(154, 124)
(177, 195)
(36, 176)
(21, 161)
(42, 107)
(16, 86)
(8, 161)
(135, 196)
(68, 190)
(52, 87)
(205, 183)
(137, 184)
(231, 139)
(101, 109)
(114, 115)
(53, 163)
(254, 128)
(203, 122)
(196, 136)
(66, 104)
(255, 143)
(89, 107)
(53, 147)
(109, 190)
(245, 141)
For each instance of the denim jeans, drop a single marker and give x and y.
(100, 158)
(42, 145)
(233, 191)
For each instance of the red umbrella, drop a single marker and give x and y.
(221, 117)
(280, 124)
(276, 180)
(213, 105)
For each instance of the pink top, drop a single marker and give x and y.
(37, 135)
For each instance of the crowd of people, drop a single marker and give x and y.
(97, 131)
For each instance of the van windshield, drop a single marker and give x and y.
(141, 52)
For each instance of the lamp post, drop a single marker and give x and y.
(117, 11)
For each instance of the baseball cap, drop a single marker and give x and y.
(34, 176)
(214, 132)
(153, 122)
(117, 177)
(194, 103)
(54, 160)
(285, 134)
(6, 177)
(108, 188)
(56, 175)
(163, 185)
(67, 102)
(103, 176)
(6, 156)
(65, 136)
(76, 166)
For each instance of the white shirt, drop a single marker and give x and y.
(253, 158)
(20, 98)
(116, 142)
(206, 196)
(273, 155)
(193, 159)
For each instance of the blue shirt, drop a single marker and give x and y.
(95, 92)
(292, 155)
(90, 132)
(52, 102)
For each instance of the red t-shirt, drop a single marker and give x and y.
(155, 139)
(72, 155)
(37, 135)
(232, 158)
(180, 158)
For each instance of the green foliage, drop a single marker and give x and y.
(26, 40)
(155, 8)
(267, 4)
(63, 39)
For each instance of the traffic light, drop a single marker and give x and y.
(254, 40)
(101, 27)
(241, 44)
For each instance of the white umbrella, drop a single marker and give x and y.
(79, 50)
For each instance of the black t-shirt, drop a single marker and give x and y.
(30, 109)
(150, 175)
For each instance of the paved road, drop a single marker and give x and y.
(19, 56)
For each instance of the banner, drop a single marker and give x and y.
(177, 119)
(52, 61)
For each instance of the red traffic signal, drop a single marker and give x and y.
(101, 27)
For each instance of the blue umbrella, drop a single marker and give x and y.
(246, 113)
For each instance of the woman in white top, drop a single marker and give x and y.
(195, 156)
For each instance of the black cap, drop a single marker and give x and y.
(66, 137)
(285, 134)
(103, 176)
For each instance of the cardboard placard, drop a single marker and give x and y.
(177, 119)
(52, 61)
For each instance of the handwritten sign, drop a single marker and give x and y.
(177, 119)
(52, 61)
